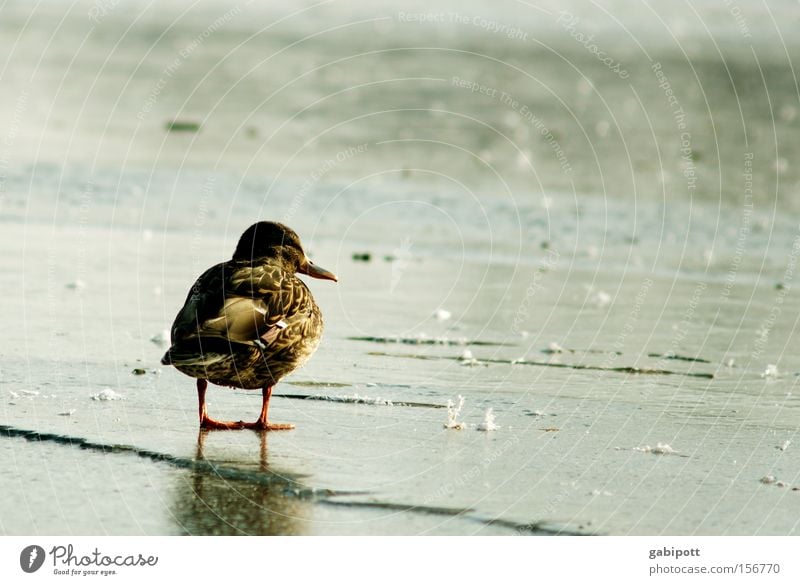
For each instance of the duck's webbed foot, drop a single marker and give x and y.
(262, 424)
(206, 422)
(219, 425)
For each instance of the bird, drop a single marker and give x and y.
(248, 322)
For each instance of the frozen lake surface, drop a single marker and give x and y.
(623, 335)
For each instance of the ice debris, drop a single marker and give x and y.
(453, 411)
(467, 359)
(772, 480)
(770, 372)
(352, 399)
(488, 423)
(161, 338)
(659, 449)
(107, 394)
(554, 347)
(442, 314)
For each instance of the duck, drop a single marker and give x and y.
(248, 322)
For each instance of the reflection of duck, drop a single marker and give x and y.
(248, 322)
(254, 502)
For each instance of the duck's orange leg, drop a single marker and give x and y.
(262, 423)
(207, 422)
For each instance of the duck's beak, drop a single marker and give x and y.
(308, 267)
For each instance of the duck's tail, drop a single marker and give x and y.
(198, 352)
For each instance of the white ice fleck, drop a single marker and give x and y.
(353, 399)
(107, 394)
(13, 394)
(30, 392)
(161, 338)
(488, 423)
(599, 299)
(602, 298)
(601, 493)
(467, 359)
(770, 372)
(442, 314)
(729, 362)
(659, 449)
(453, 411)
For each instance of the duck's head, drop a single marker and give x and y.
(269, 239)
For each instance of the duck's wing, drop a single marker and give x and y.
(241, 303)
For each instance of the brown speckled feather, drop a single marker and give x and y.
(245, 325)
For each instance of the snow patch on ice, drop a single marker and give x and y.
(107, 394)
